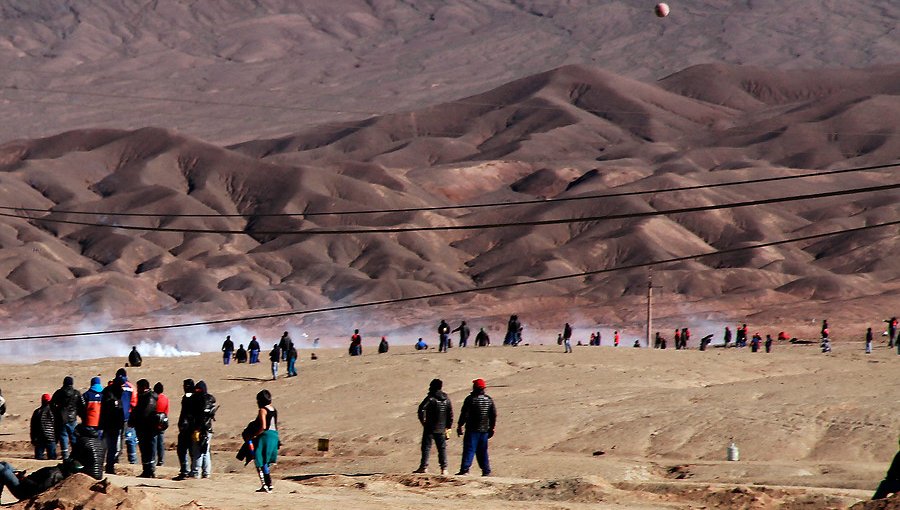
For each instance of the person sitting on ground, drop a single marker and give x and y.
(421, 345)
(26, 487)
(482, 339)
(241, 354)
(134, 357)
(383, 346)
(43, 430)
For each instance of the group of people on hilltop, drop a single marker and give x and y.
(282, 351)
(477, 421)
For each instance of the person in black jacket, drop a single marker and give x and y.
(25, 487)
(436, 416)
(443, 336)
(383, 346)
(240, 355)
(185, 428)
(89, 450)
(275, 357)
(68, 406)
(134, 357)
(479, 417)
(253, 350)
(891, 482)
(284, 344)
(144, 420)
(203, 412)
(227, 350)
(463, 334)
(112, 420)
(43, 430)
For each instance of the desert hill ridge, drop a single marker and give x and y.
(568, 132)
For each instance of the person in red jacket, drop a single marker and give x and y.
(162, 407)
(92, 400)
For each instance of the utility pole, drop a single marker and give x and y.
(649, 308)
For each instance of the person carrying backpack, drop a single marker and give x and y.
(436, 416)
(68, 406)
(203, 413)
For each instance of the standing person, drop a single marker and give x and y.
(253, 348)
(754, 343)
(657, 341)
(727, 337)
(482, 339)
(43, 430)
(892, 331)
(2, 406)
(185, 429)
(677, 339)
(240, 355)
(685, 337)
(265, 441)
(284, 345)
(443, 336)
(825, 331)
(134, 357)
(383, 346)
(512, 329)
(144, 421)
(227, 350)
(112, 421)
(355, 343)
(436, 416)
(479, 417)
(88, 450)
(616, 338)
(274, 357)
(292, 360)
(129, 400)
(93, 400)
(869, 341)
(203, 413)
(768, 343)
(68, 406)
(162, 411)
(567, 338)
(463, 334)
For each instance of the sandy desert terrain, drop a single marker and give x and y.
(602, 428)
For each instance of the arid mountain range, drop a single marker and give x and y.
(288, 124)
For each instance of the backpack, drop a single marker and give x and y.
(162, 421)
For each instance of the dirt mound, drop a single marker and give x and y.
(740, 498)
(80, 492)
(891, 503)
(580, 490)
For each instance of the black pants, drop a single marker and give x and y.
(147, 447)
(183, 451)
(440, 440)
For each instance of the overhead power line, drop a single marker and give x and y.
(436, 295)
(481, 226)
(461, 206)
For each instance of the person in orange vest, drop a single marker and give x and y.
(92, 401)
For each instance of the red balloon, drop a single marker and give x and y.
(662, 10)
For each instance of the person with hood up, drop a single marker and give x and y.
(27, 487)
(93, 400)
(482, 339)
(129, 400)
(265, 439)
(292, 360)
(43, 430)
(89, 450)
(253, 350)
(112, 420)
(227, 350)
(443, 336)
(275, 357)
(284, 344)
(144, 421)
(134, 358)
(203, 413)
(240, 355)
(185, 430)
(162, 413)
(383, 346)
(68, 406)
(436, 416)
(479, 417)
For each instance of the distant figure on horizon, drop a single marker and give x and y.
(421, 345)
(869, 341)
(482, 339)
(274, 358)
(567, 337)
(463, 334)
(637, 344)
(356, 343)
(134, 357)
(227, 350)
(253, 348)
(284, 345)
(754, 342)
(892, 331)
(727, 337)
(383, 346)
(677, 339)
(292, 356)
(825, 331)
(616, 338)
(657, 341)
(768, 343)
(240, 355)
(443, 336)
(685, 337)
(513, 331)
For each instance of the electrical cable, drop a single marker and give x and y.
(463, 206)
(487, 288)
(481, 226)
